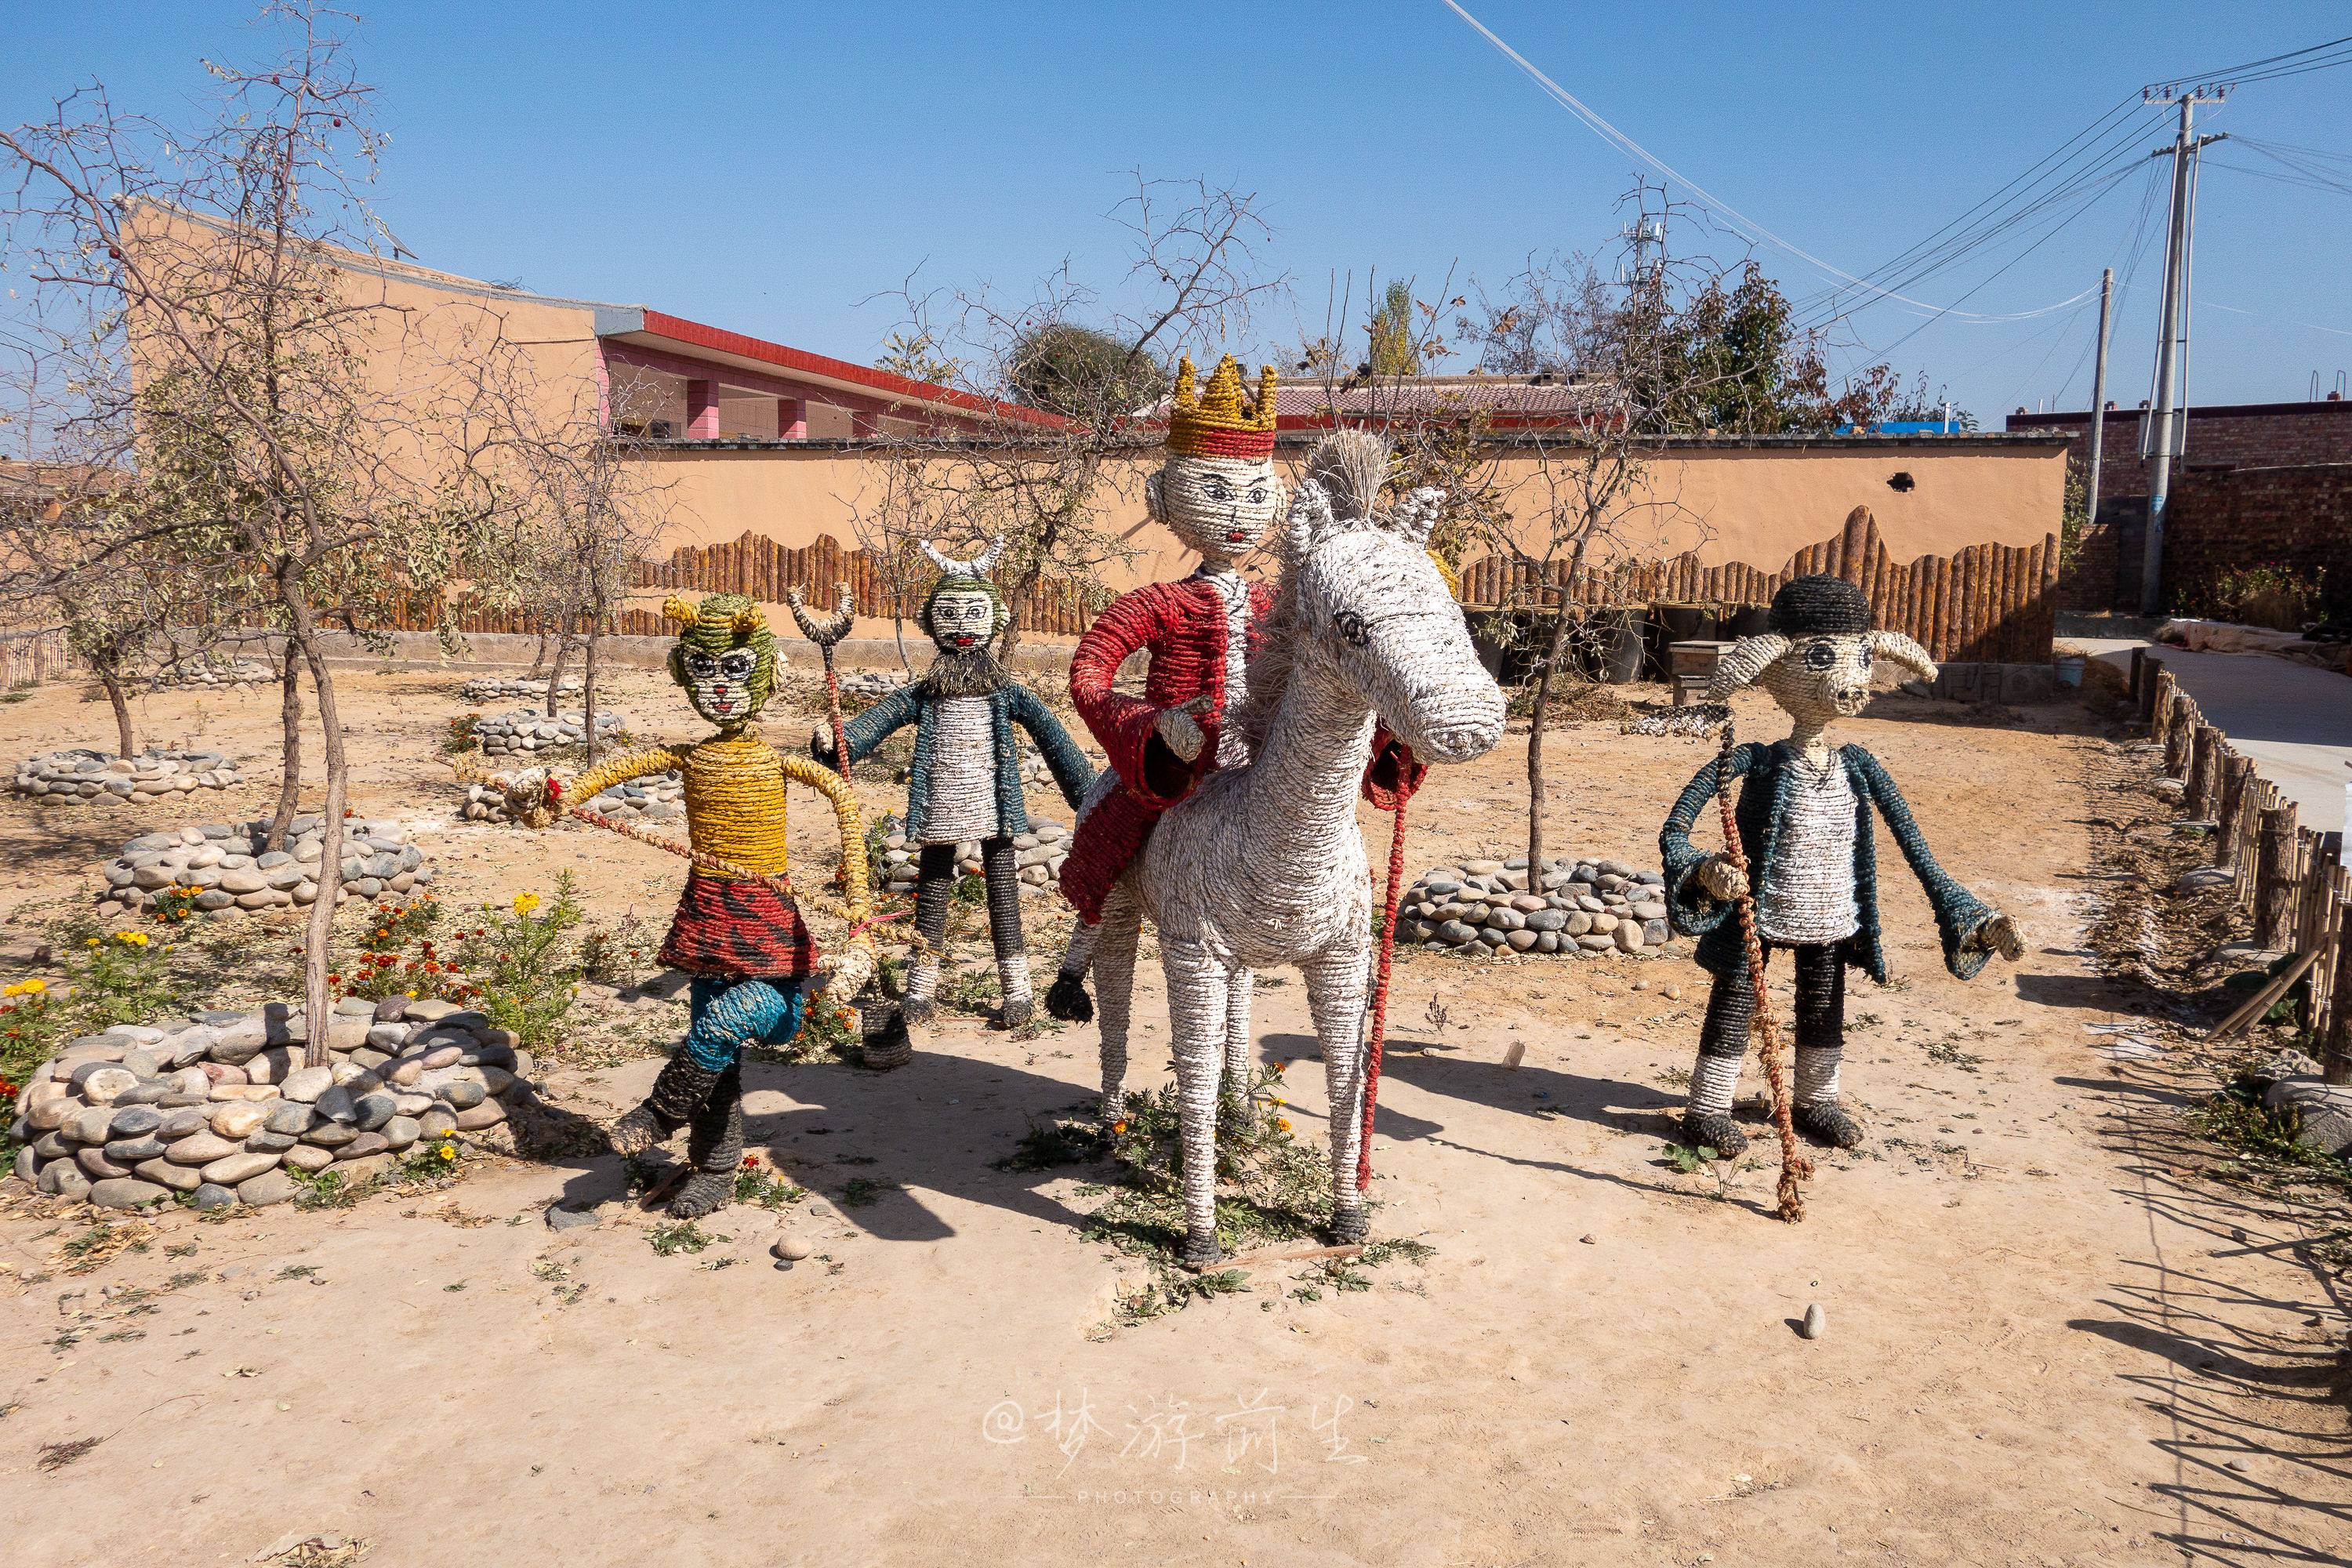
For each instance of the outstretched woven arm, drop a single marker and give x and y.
(854, 966)
(1071, 771)
(535, 803)
(1959, 915)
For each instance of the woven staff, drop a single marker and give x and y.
(1380, 997)
(825, 634)
(1794, 1167)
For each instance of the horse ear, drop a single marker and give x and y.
(1904, 652)
(1416, 515)
(1309, 518)
(1749, 658)
(1155, 499)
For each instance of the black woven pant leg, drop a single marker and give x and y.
(1003, 898)
(1731, 1011)
(1820, 998)
(935, 880)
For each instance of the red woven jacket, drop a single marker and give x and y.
(1183, 625)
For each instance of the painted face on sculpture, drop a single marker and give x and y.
(722, 686)
(962, 622)
(1821, 675)
(1221, 507)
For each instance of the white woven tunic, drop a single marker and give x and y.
(1807, 891)
(963, 774)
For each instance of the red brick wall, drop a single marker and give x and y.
(2248, 435)
(2087, 579)
(2223, 520)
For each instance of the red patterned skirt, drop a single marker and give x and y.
(729, 926)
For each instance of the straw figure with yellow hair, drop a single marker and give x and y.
(738, 928)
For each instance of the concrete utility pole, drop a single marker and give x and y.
(2099, 397)
(2173, 343)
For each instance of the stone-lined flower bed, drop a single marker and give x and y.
(236, 674)
(220, 1107)
(650, 797)
(1037, 854)
(493, 688)
(522, 730)
(228, 868)
(1576, 906)
(78, 774)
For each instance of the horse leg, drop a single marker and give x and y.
(1238, 1030)
(1114, 965)
(1197, 986)
(1335, 993)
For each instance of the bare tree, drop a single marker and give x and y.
(203, 284)
(1058, 417)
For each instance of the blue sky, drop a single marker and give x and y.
(772, 169)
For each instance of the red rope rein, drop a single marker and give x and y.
(1380, 997)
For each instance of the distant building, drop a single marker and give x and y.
(2227, 436)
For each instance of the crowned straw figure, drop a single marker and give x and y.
(1805, 818)
(737, 931)
(966, 779)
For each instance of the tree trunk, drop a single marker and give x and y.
(539, 657)
(898, 631)
(1017, 603)
(555, 676)
(588, 694)
(318, 1007)
(289, 788)
(1541, 707)
(110, 675)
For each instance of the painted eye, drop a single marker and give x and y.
(1219, 491)
(1862, 656)
(1257, 495)
(701, 665)
(1351, 627)
(1820, 656)
(736, 665)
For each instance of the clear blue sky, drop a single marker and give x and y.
(770, 169)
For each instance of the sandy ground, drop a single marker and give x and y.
(2049, 1340)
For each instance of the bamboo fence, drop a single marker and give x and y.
(1986, 604)
(2291, 879)
(28, 657)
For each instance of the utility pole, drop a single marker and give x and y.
(2173, 343)
(2099, 397)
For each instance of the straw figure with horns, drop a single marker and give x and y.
(739, 930)
(1811, 868)
(1219, 495)
(965, 783)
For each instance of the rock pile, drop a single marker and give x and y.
(501, 688)
(76, 774)
(522, 730)
(220, 1107)
(1575, 906)
(650, 797)
(875, 684)
(235, 674)
(233, 868)
(1037, 854)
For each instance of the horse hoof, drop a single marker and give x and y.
(1201, 1251)
(1714, 1130)
(1013, 1015)
(1068, 999)
(1827, 1124)
(1350, 1226)
(917, 1009)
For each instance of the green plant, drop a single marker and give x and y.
(459, 736)
(1690, 1158)
(1049, 1144)
(173, 905)
(681, 1236)
(398, 956)
(827, 1028)
(864, 1190)
(2232, 593)
(523, 964)
(31, 1021)
(431, 1159)
(124, 979)
(326, 1189)
(755, 1184)
(611, 955)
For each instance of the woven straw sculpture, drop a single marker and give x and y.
(1804, 816)
(737, 933)
(965, 782)
(1262, 863)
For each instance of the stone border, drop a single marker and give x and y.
(76, 773)
(230, 868)
(1577, 907)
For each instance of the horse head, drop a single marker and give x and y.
(1365, 601)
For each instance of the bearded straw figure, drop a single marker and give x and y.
(1804, 816)
(740, 936)
(966, 779)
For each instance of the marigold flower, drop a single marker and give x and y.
(1279, 1066)
(1119, 1126)
(751, 1160)
(525, 903)
(1283, 1124)
(93, 942)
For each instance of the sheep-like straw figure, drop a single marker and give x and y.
(1805, 824)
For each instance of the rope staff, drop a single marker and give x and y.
(1380, 997)
(1794, 1167)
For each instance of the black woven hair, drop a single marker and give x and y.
(1819, 603)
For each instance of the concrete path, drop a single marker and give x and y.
(2293, 720)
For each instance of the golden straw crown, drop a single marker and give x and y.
(1219, 421)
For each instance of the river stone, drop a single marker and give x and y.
(209, 1196)
(392, 1009)
(430, 1008)
(97, 1166)
(125, 1192)
(309, 1157)
(462, 1095)
(100, 1086)
(1503, 918)
(290, 1115)
(269, 1187)
(63, 1178)
(89, 1125)
(52, 1146)
(412, 1103)
(374, 1167)
(361, 1147)
(437, 1123)
(304, 1085)
(48, 1115)
(373, 1110)
(1629, 937)
(238, 1118)
(240, 1040)
(400, 1132)
(268, 1143)
(241, 1166)
(336, 1104)
(140, 1063)
(404, 1073)
(184, 1123)
(489, 1113)
(134, 1121)
(131, 1150)
(442, 1057)
(488, 1056)
(330, 1134)
(1455, 933)
(200, 1149)
(179, 1178)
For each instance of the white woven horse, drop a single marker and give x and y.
(1263, 865)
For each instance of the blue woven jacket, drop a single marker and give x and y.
(1008, 704)
(1763, 806)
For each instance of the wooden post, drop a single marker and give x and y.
(2179, 736)
(2138, 673)
(2274, 877)
(2205, 773)
(2151, 691)
(2229, 839)
(2337, 1059)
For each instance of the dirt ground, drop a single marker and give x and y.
(2050, 1337)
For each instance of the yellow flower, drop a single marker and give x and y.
(35, 987)
(93, 942)
(136, 938)
(1283, 1124)
(12, 991)
(525, 903)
